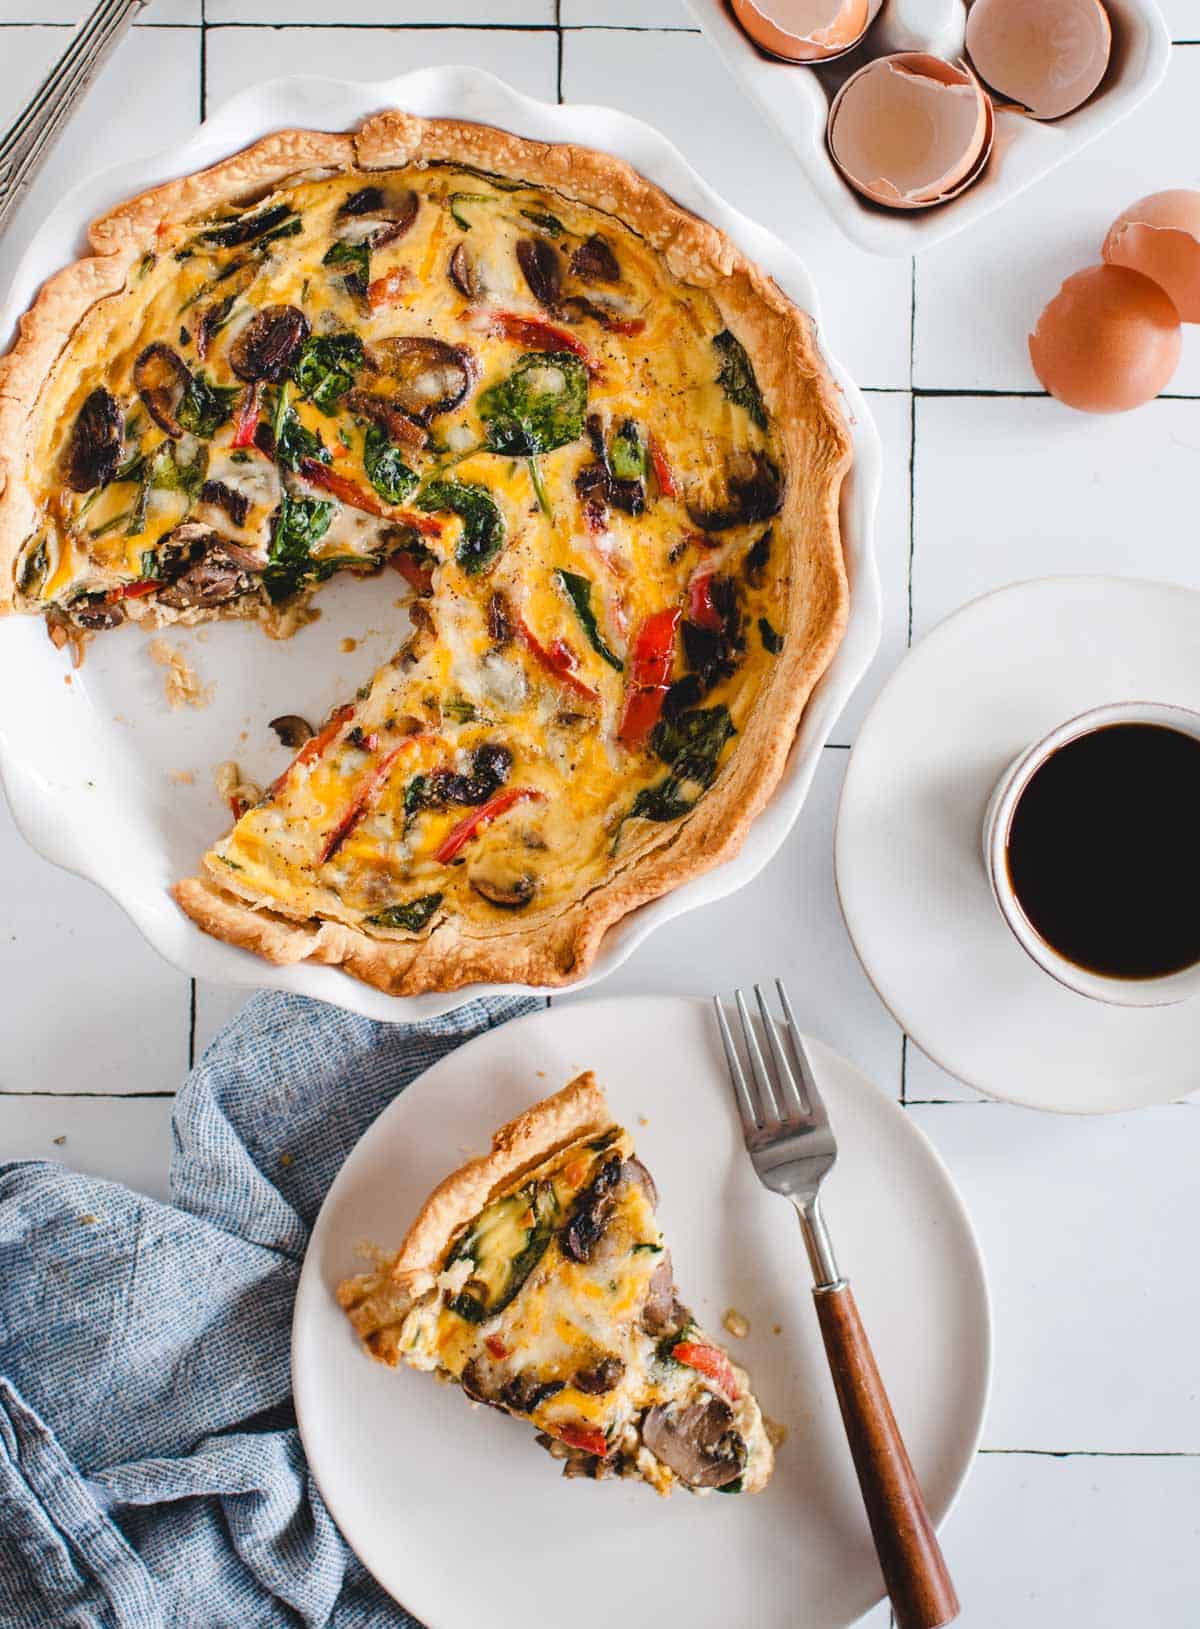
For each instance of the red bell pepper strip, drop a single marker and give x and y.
(642, 709)
(245, 419)
(543, 336)
(475, 822)
(348, 491)
(314, 746)
(135, 591)
(588, 1437)
(654, 647)
(701, 608)
(418, 574)
(663, 473)
(238, 806)
(496, 1347)
(368, 790)
(387, 290)
(558, 659)
(707, 1360)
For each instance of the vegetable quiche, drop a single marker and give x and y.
(595, 447)
(537, 1278)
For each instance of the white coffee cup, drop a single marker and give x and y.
(1162, 991)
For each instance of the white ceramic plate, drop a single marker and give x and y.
(88, 766)
(988, 681)
(797, 99)
(457, 1512)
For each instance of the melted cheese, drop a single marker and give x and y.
(454, 691)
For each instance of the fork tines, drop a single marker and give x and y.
(774, 1096)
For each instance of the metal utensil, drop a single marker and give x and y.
(26, 145)
(792, 1147)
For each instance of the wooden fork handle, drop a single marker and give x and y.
(910, 1556)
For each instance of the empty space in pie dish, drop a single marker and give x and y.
(909, 130)
(1047, 56)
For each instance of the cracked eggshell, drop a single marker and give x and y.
(1046, 56)
(1109, 340)
(910, 130)
(805, 30)
(1159, 236)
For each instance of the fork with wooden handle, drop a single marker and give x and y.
(792, 1148)
(25, 146)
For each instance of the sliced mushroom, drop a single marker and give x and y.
(231, 502)
(378, 215)
(525, 1392)
(499, 619)
(542, 270)
(94, 452)
(161, 376)
(749, 489)
(266, 347)
(509, 893)
(594, 261)
(292, 730)
(96, 611)
(637, 1173)
(464, 274)
(662, 1313)
(425, 376)
(589, 1214)
(697, 1441)
(379, 409)
(202, 568)
(600, 1377)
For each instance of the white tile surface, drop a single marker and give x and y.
(122, 1140)
(1009, 488)
(173, 12)
(1087, 1228)
(679, 84)
(978, 296)
(627, 14)
(1081, 1543)
(497, 13)
(146, 96)
(1183, 18)
(238, 57)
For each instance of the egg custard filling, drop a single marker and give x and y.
(592, 448)
(555, 1302)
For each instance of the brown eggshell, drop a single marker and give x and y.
(910, 130)
(804, 30)
(1159, 236)
(1047, 56)
(1109, 340)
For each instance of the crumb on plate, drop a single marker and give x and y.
(182, 777)
(180, 683)
(736, 1323)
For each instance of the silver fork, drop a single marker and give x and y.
(792, 1148)
(25, 146)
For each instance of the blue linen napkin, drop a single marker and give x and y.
(151, 1474)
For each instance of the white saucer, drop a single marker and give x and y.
(463, 1518)
(987, 682)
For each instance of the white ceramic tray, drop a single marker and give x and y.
(797, 99)
(88, 765)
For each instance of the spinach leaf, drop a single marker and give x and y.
(355, 260)
(31, 574)
(626, 454)
(456, 200)
(691, 744)
(245, 228)
(772, 641)
(502, 183)
(325, 368)
(385, 466)
(736, 377)
(296, 526)
(294, 442)
(579, 592)
(483, 524)
(539, 407)
(412, 915)
(547, 222)
(755, 563)
(460, 709)
(168, 474)
(204, 408)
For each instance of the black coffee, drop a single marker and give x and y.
(1104, 851)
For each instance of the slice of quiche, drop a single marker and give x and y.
(538, 1279)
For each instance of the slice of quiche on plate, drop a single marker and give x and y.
(537, 1278)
